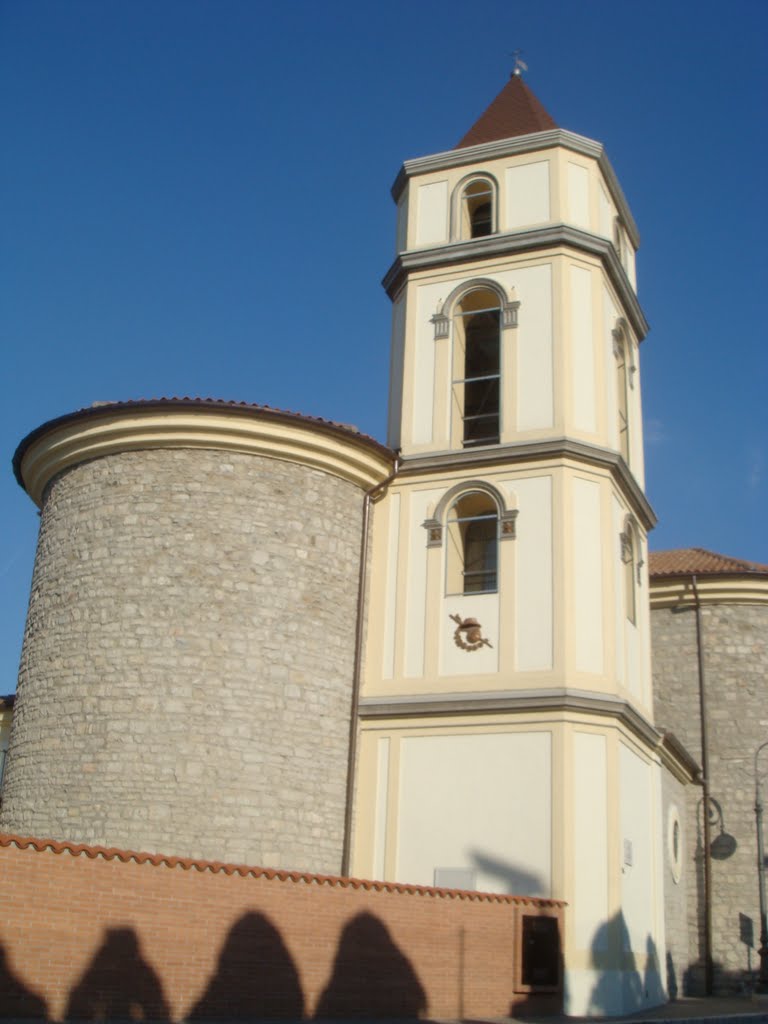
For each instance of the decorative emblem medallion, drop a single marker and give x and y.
(468, 634)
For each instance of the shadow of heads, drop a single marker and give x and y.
(16, 1000)
(514, 880)
(255, 976)
(371, 975)
(118, 984)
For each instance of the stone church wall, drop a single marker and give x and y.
(735, 640)
(188, 658)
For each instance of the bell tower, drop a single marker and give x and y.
(506, 735)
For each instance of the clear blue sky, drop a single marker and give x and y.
(196, 202)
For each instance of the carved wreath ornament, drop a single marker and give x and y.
(468, 634)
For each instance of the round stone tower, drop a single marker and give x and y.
(188, 662)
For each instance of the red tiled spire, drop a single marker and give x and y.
(515, 111)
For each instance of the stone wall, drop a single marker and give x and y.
(676, 881)
(186, 672)
(98, 935)
(735, 641)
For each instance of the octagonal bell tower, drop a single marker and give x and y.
(507, 741)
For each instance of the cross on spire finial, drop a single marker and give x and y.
(520, 65)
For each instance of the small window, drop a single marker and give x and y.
(477, 209)
(476, 385)
(473, 540)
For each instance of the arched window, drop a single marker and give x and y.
(477, 367)
(622, 391)
(477, 213)
(473, 542)
(629, 558)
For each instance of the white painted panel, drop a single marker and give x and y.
(637, 830)
(534, 348)
(527, 194)
(586, 541)
(432, 223)
(397, 350)
(479, 802)
(382, 803)
(416, 601)
(454, 660)
(533, 595)
(390, 600)
(617, 526)
(634, 655)
(401, 234)
(606, 214)
(427, 300)
(590, 842)
(583, 397)
(578, 195)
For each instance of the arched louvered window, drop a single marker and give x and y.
(473, 541)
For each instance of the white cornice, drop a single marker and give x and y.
(520, 242)
(734, 588)
(529, 451)
(92, 435)
(516, 702)
(524, 144)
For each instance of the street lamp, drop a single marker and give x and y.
(762, 980)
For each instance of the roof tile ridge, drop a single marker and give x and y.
(8, 839)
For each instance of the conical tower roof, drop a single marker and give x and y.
(515, 111)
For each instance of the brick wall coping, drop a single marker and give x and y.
(8, 839)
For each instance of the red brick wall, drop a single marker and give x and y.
(101, 934)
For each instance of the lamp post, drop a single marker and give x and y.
(762, 980)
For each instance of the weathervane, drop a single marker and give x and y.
(520, 65)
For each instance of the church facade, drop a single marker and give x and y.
(259, 637)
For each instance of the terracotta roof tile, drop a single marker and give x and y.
(219, 867)
(515, 111)
(699, 561)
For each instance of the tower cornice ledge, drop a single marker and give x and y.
(524, 144)
(251, 430)
(514, 701)
(556, 699)
(514, 242)
(528, 451)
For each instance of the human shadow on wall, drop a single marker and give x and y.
(516, 881)
(614, 992)
(118, 984)
(626, 991)
(371, 975)
(16, 1000)
(255, 976)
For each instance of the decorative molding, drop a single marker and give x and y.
(442, 325)
(529, 451)
(509, 314)
(514, 702)
(525, 144)
(508, 520)
(434, 530)
(515, 242)
(723, 588)
(116, 429)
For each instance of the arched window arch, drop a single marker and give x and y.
(475, 204)
(477, 367)
(472, 528)
(622, 364)
(631, 561)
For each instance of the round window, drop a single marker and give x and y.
(675, 843)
